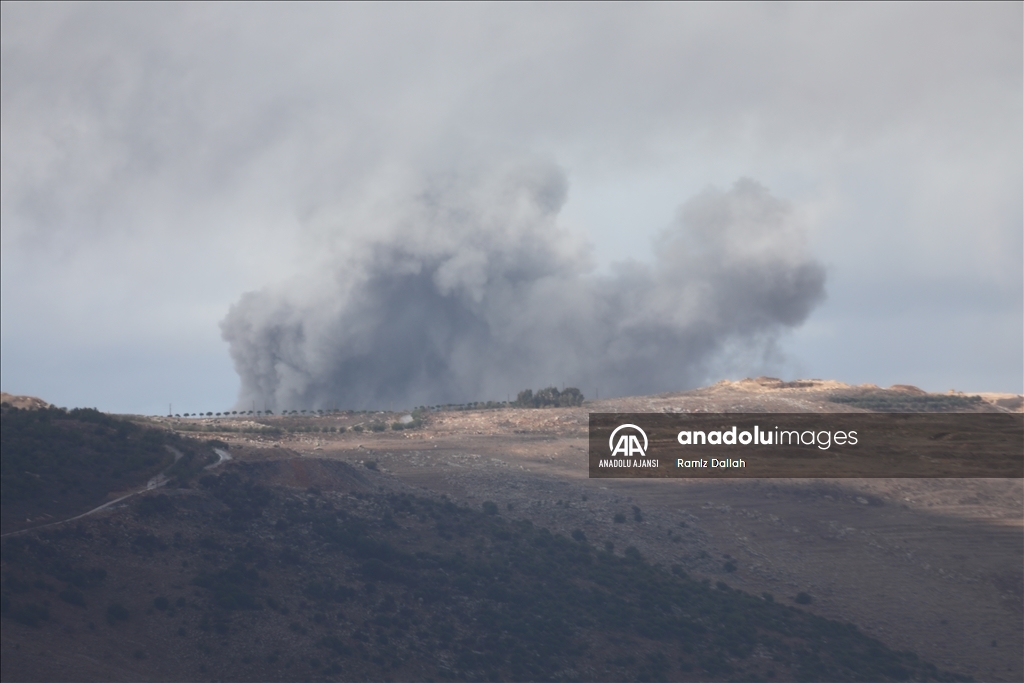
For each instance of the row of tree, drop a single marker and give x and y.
(544, 398)
(227, 413)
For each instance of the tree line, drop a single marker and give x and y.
(549, 397)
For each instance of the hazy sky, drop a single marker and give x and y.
(160, 161)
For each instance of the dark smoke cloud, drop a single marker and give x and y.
(472, 291)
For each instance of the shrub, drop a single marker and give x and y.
(619, 518)
(73, 596)
(803, 598)
(117, 612)
(149, 506)
(335, 644)
(370, 464)
(231, 588)
(30, 614)
(321, 591)
(490, 507)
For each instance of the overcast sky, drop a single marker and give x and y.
(159, 161)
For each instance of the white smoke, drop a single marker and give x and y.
(472, 291)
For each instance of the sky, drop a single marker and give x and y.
(207, 206)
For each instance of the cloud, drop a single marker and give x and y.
(473, 291)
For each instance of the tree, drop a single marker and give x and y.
(571, 396)
(547, 396)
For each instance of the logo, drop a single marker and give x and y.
(627, 445)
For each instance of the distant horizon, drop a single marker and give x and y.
(407, 409)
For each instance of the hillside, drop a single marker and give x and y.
(472, 546)
(237, 580)
(57, 463)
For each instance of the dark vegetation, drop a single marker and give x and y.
(270, 583)
(55, 462)
(549, 397)
(803, 599)
(257, 428)
(897, 402)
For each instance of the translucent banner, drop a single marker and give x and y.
(806, 445)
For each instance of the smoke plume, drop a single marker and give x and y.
(471, 291)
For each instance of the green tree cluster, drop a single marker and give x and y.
(549, 397)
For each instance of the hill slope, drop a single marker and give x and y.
(236, 580)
